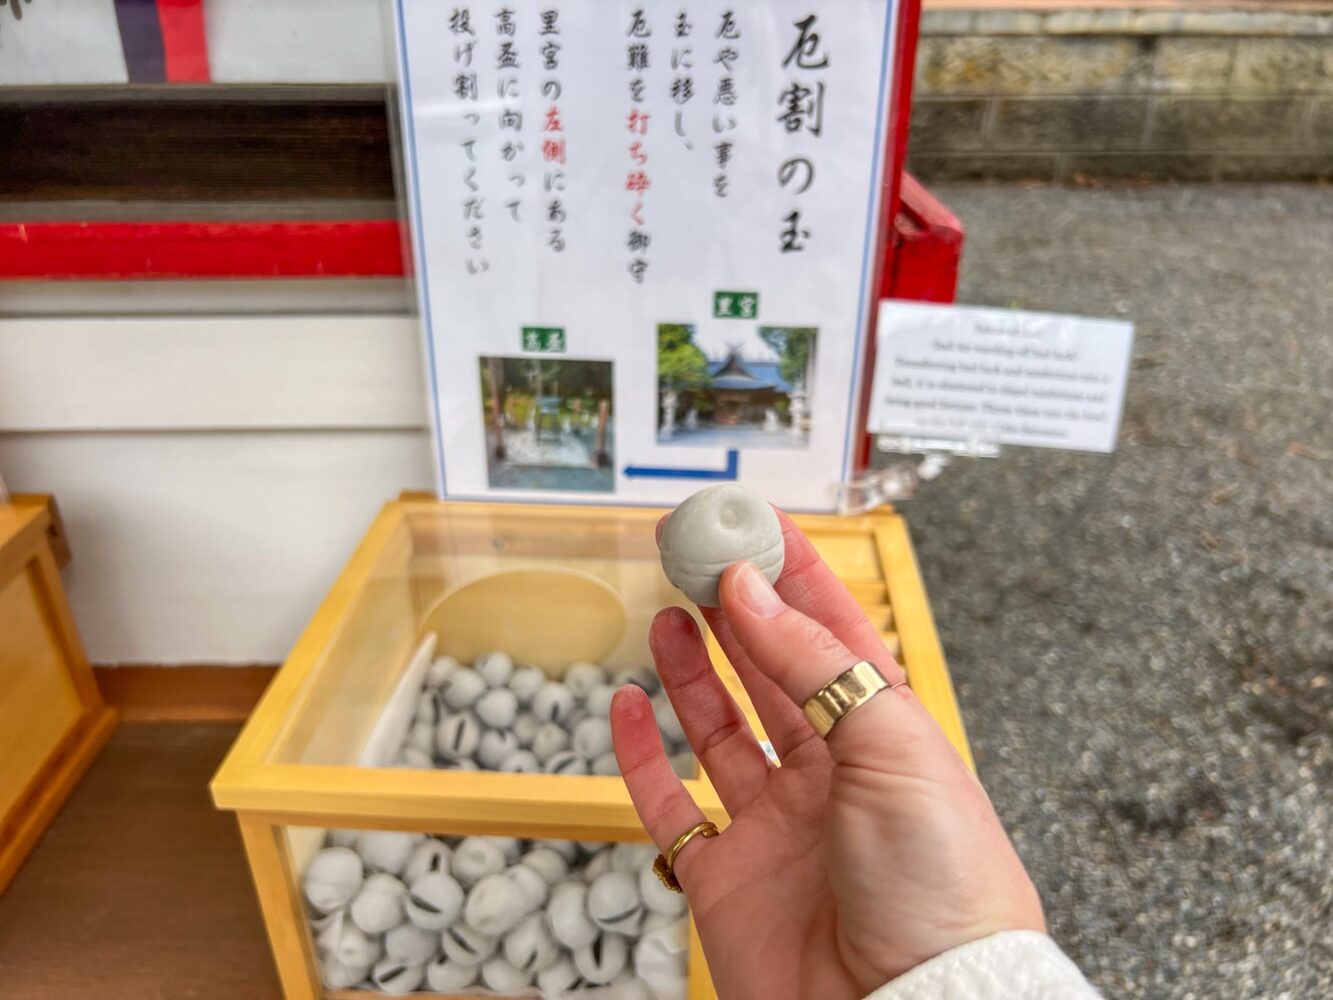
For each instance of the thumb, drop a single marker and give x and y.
(800, 655)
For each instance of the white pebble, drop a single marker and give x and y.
(603, 960)
(605, 765)
(458, 736)
(497, 708)
(521, 762)
(525, 682)
(657, 897)
(568, 917)
(598, 701)
(496, 746)
(397, 978)
(464, 688)
(525, 728)
(535, 889)
(567, 849)
(666, 719)
(339, 975)
(550, 740)
(413, 758)
(333, 878)
(438, 673)
(714, 528)
(411, 944)
(559, 979)
(356, 948)
(644, 677)
(502, 977)
(565, 762)
(529, 946)
(660, 960)
(581, 678)
(598, 864)
(495, 668)
(445, 976)
(614, 902)
(386, 850)
(553, 703)
(495, 904)
(547, 863)
(467, 946)
(434, 901)
(431, 855)
(631, 857)
(379, 905)
(592, 738)
(474, 859)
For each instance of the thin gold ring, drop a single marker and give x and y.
(664, 866)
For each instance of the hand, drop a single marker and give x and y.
(861, 856)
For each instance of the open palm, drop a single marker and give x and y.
(859, 857)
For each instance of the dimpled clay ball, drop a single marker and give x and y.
(714, 528)
(445, 976)
(549, 741)
(463, 688)
(340, 975)
(529, 946)
(632, 857)
(497, 708)
(659, 960)
(502, 977)
(495, 668)
(644, 677)
(521, 762)
(592, 737)
(430, 855)
(496, 746)
(598, 702)
(559, 979)
(440, 669)
(603, 960)
(386, 850)
(434, 901)
(466, 946)
(614, 902)
(475, 858)
(396, 977)
(534, 888)
(581, 678)
(333, 878)
(458, 736)
(496, 904)
(379, 905)
(567, 915)
(565, 762)
(606, 765)
(411, 944)
(357, 948)
(553, 703)
(525, 682)
(550, 865)
(525, 728)
(657, 897)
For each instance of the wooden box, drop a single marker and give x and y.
(52, 720)
(293, 773)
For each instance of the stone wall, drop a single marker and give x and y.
(1077, 94)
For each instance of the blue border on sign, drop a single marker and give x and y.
(891, 14)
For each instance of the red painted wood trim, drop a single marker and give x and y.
(929, 248)
(104, 250)
(184, 46)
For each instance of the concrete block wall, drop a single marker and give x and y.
(1117, 94)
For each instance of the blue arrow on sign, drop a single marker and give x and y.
(646, 472)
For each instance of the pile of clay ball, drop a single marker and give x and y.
(495, 716)
(401, 912)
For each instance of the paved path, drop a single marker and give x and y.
(1143, 643)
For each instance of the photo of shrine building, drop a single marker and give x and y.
(743, 390)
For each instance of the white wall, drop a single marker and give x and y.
(214, 472)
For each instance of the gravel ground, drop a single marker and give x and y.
(1143, 642)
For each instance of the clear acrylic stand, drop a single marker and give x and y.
(899, 481)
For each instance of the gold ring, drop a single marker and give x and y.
(663, 867)
(845, 694)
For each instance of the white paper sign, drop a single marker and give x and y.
(999, 375)
(646, 237)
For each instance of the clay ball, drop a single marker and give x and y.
(525, 682)
(464, 688)
(535, 889)
(434, 901)
(605, 765)
(714, 528)
(429, 708)
(631, 857)
(466, 946)
(549, 740)
(474, 859)
(422, 736)
(614, 902)
(644, 677)
(510, 847)
(497, 708)
(386, 850)
(458, 736)
(520, 762)
(495, 668)
(567, 915)
(553, 703)
(666, 719)
(333, 878)
(660, 960)
(496, 746)
(592, 737)
(379, 905)
(565, 762)
(445, 976)
(657, 897)
(502, 977)
(603, 959)
(413, 758)
(598, 701)
(549, 864)
(559, 979)
(397, 978)
(530, 946)
(567, 849)
(581, 678)
(356, 948)
(495, 905)
(598, 864)
(438, 673)
(430, 855)
(525, 728)
(340, 975)
(411, 944)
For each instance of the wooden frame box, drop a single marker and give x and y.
(293, 771)
(52, 719)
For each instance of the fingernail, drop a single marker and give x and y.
(756, 593)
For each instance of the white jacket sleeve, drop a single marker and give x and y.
(1014, 965)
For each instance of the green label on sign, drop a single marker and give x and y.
(736, 305)
(544, 338)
